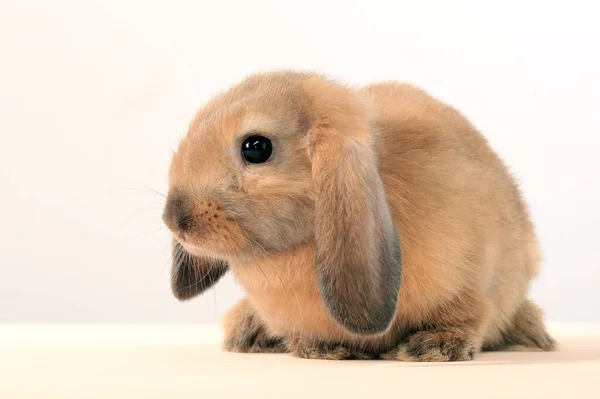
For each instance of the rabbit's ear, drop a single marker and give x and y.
(192, 275)
(359, 260)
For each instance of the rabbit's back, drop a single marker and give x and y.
(465, 229)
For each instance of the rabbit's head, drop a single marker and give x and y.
(278, 161)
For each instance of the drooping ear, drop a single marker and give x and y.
(192, 275)
(359, 259)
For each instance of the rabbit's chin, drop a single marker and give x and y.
(193, 249)
(210, 250)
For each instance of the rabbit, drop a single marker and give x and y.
(369, 222)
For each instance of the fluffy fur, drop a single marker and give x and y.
(383, 225)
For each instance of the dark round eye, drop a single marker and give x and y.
(257, 149)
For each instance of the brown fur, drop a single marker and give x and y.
(309, 349)
(246, 333)
(314, 234)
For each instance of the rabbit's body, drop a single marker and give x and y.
(469, 249)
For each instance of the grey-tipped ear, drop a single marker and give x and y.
(359, 260)
(191, 275)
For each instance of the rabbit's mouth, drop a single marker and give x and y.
(196, 250)
(215, 245)
(203, 226)
(192, 249)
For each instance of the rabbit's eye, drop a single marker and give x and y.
(257, 149)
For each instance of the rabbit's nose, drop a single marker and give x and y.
(184, 223)
(177, 215)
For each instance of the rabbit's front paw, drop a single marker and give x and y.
(311, 349)
(439, 345)
(245, 332)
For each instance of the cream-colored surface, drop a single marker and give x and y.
(175, 361)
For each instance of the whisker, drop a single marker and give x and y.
(178, 257)
(262, 252)
(146, 189)
(195, 270)
(266, 278)
(151, 231)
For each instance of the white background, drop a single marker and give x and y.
(94, 96)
